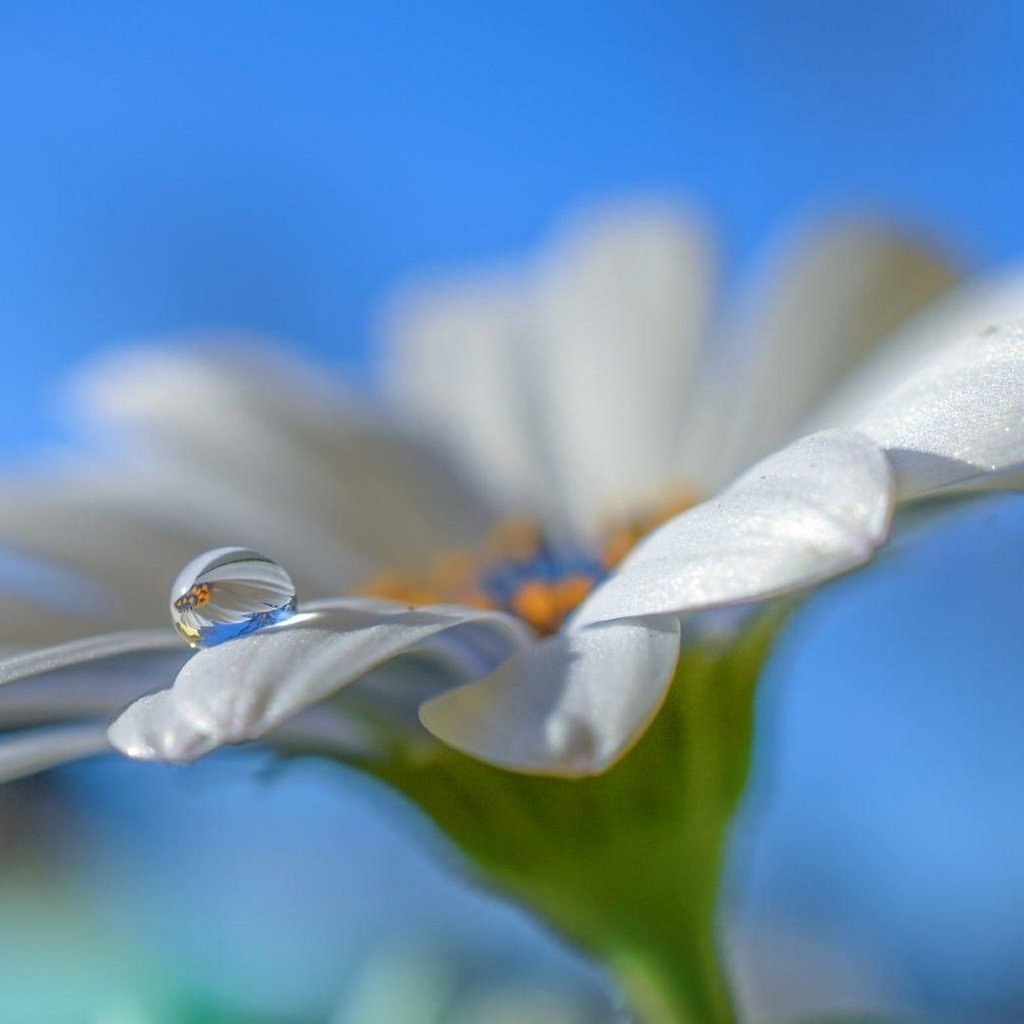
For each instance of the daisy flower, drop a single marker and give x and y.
(525, 528)
(557, 538)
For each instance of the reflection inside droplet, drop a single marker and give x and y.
(229, 592)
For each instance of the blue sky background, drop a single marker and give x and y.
(279, 167)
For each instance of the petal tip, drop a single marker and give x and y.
(570, 707)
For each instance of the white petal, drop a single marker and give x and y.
(570, 706)
(822, 305)
(96, 651)
(241, 689)
(565, 385)
(979, 303)
(959, 418)
(266, 430)
(456, 357)
(27, 620)
(89, 552)
(815, 509)
(130, 531)
(36, 750)
(623, 306)
(97, 676)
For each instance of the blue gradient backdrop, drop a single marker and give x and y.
(278, 167)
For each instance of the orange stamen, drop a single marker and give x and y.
(570, 592)
(537, 605)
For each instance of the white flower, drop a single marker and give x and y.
(581, 390)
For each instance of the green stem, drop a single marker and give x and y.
(627, 865)
(676, 975)
(661, 993)
(646, 908)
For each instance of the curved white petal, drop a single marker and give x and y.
(822, 304)
(266, 430)
(241, 689)
(36, 750)
(813, 510)
(959, 418)
(570, 706)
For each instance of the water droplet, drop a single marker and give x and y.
(229, 592)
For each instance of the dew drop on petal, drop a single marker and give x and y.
(229, 592)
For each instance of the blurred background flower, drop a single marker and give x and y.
(240, 166)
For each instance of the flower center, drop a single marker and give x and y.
(522, 571)
(195, 597)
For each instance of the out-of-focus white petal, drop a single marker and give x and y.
(821, 306)
(456, 366)
(975, 305)
(30, 619)
(327, 730)
(270, 432)
(959, 418)
(243, 688)
(571, 705)
(133, 528)
(391, 695)
(815, 509)
(566, 386)
(102, 547)
(36, 750)
(96, 651)
(623, 305)
(94, 677)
